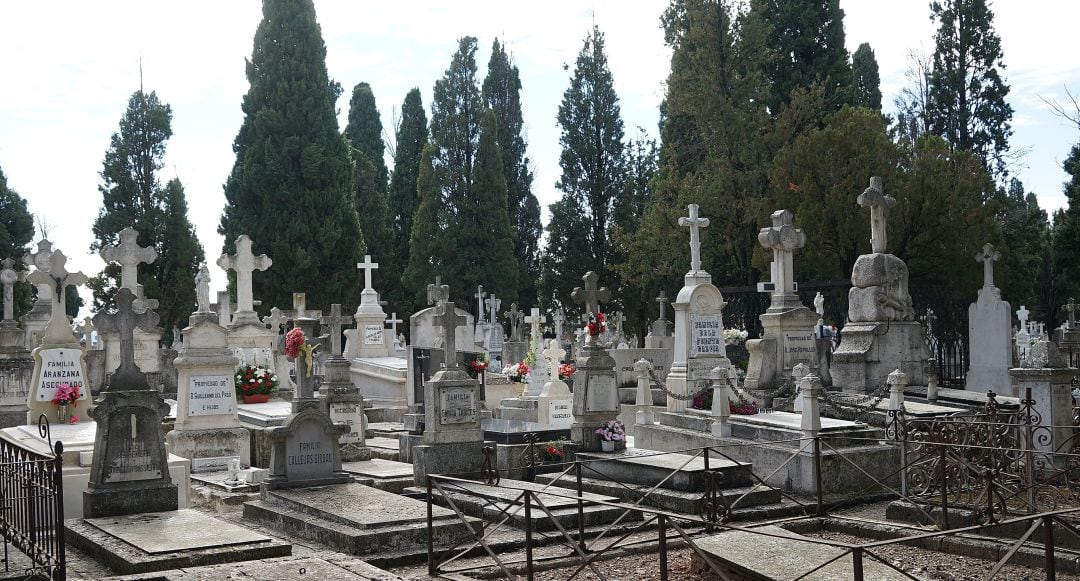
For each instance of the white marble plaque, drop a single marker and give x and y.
(601, 394)
(560, 413)
(706, 335)
(59, 366)
(373, 335)
(799, 347)
(214, 464)
(211, 395)
(350, 414)
(261, 356)
(458, 406)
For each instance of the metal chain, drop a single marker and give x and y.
(765, 395)
(677, 396)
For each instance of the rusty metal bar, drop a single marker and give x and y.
(528, 536)
(580, 510)
(662, 539)
(431, 565)
(944, 488)
(1048, 544)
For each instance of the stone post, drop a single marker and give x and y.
(897, 382)
(810, 389)
(931, 380)
(1046, 373)
(798, 372)
(644, 415)
(721, 409)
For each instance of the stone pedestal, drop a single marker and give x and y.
(305, 451)
(251, 342)
(699, 337)
(555, 405)
(596, 398)
(16, 372)
(1050, 380)
(787, 341)
(453, 437)
(369, 338)
(990, 339)
(868, 352)
(55, 364)
(343, 402)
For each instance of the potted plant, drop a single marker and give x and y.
(611, 432)
(254, 383)
(64, 399)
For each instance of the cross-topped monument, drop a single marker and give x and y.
(367, 266)
(1070, 307)
(879, 203)
(783, 238)
(554, 355)
(480, 294)
(275, 319)
(394, 322)
(40, 260)
(695, 223)
(447, 318)
(988, 256)
(55, 279)
(437, 292)
(515, 317)
(335, 321)
(87, 330)
(536, 319)
(127, 376)
(663, 300)
(559, 318)
(129, 255)
(244, 262)
(493, 305)
(1022, 314)
(591, 296)
(8, 277)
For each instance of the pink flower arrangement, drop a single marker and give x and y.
(613, 431)
(66, 395)
(597, 324)
(566, 370)
(294, 339)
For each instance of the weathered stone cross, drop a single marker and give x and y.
(1070, 308)
(202, 289)
(275, 319)
(243, 263)
(879, 204)
(618, 318)
(559, 318)
(87, 329)
(1022, 314)
(437, 292)
(447, 318)
(336, 321)
(394, 322)
(783, 239)
(554, 355)
(55, 279)
(536, 319)
(662, 299)
(694, 223)
(515, 317)
(129, 254)
(127, 376)
(8, 277)
(480, 294)
(40, 261)
(367, 266)
(493, 305)
(988, 257)
(591, 296)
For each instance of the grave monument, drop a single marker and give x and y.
(342, 401)
(596, 395)
(515, 349)
(555, 401)
(247, 335)
(34, 322)
(16, 364)
(128, 254)
(989, 334)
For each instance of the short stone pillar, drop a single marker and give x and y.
(721, 407)
(1046, 373)
(596, 397)
(897, 382)
(797, 373)
(931, 380)
(809, 390)
(644, 415)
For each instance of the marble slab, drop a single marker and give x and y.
(378, 468)
(169, 532)
(792, 421)
(271, 413)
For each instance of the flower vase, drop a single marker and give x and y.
(256, 398)
(63, 413)
(607, 445)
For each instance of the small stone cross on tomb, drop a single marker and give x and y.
(591, 296)
(367, 266)
(437, 292)
(40, 261)
(618, 318)
(536, 319)
(695, 223)
(1070, 307)
(127, 376)
(8, 277)
(783, 238)
(202, 289)
(244, 263)
(554, 355)
(394, 322)
(493, 305)
(447, 318)
(988, 257)
(515, 317)
(55, 279)
(299, 305)
(129, 255)
(874, 198)
(1022, 314)
(275, 320)
(336, 322)
(480, 294)
(663, 300)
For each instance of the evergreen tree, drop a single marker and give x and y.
(1025, 230)
(179, 257)
(1066, 239)
(966, 90)
(866, 86)
(290, 186)
(403, 200)
(502, 94)
(16, 233)
(564, 261)
(364, 132)
(426, 254)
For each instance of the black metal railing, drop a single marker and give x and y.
(32, 506)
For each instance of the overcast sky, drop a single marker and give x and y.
(69, 68)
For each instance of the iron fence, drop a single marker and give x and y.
(32, 506)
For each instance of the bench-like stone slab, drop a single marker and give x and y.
(358, 506)
(169, 532)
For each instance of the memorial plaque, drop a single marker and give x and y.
(699, 369)
(799, 347)
(706, 335)
(59, 366)
(352, 415)
(458, 405)
(12, 391)
(131, 447)
(560, 413)
(261, 356)
(213, 464)
(309, 453)
(211, 395)
(601, 394)
(373, 334)
(495, 339)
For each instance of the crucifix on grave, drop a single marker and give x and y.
(695, 223)
(336, 322)
(127, 376)
(879, 203)
(40, 260)
(480, 295)
(988, 256)
(619, 319)
(55, 280)
(783, 238)
(553, 355)
(535, 319)
(1070, 307)
(515, 317)
(493, 305)
(244, 262)
(447, 318)
(591, 296)
(558, 319)
(129, 255)
(8, 277)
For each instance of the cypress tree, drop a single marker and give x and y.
(502, 94)
(426, 254)
(179, 257)
(866, 86)
(290, 187)
(364, 131)
(16, 232)
(403, 199)
(1066, 239)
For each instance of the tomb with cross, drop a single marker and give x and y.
(129, 255)
(369, 339)
(515, 348)
(34, 322)
(341, 399)
(494, 335)
(783, 238)
(990, 333)
(555, 402)
(695, 223)
(244, 263)
(8, 277)
(1068, 335)
(539, 374)
(591, 296)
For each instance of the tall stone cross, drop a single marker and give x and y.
(244, 263)
(55, 280)
(40, 261)
(8, 277)
(336, 321)
(438, 292)
(536, 319)
(367, 266)
(559, 318)
(493, 305)
(591, 296)
(480, 294)
(202, 289)
(129, 255)
(663, 300)
(1022, 314)
(1070, 307)
(988, 257)
(447, 318)
(515, 317)
(783, 239)
(695, 223)
(879, 203)
(394, 322)
(87, 329)
(127, 376)
(618, 318)
(554, 355)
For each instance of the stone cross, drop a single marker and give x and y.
(694, 223)
(783, 239)
(554, 355)
(515, 317)
(662, 299)
(1022, 314)
(618, 318)
(336, 321)
(879, 204)
(437, 292)
(129, 254)
(1070, 308)
(243, 263)
(536, 319)
(87, 329)
(394, 322)
(988, 257)
(8, 277)
(55, 280)
(40, 261)
(127, 376)
(202, 289)
(480, 294)
(299, 304)
(447, 318)
(493, 305)
(276, 319)
(819, 304)
(591, 296)
(367, 266)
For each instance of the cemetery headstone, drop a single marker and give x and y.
(34, 322)
(16, 364)
(369, 338)
(515, 349)
(342, 400)
(128, 254)
(556, 403)
(539, 374)
(596, 394)
(244, 263)
(989, 334)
